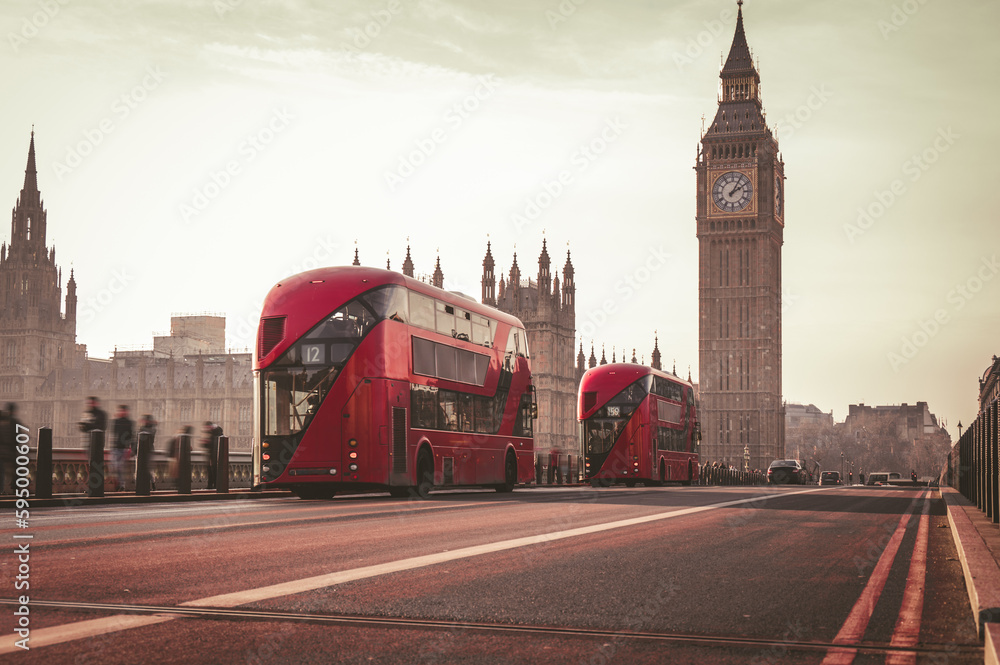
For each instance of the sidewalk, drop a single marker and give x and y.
(128, 497)
(977, 540)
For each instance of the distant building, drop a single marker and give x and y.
(989, 386)
(798, 415)
(910, 422)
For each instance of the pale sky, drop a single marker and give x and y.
(192, 154)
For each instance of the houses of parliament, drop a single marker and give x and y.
(188, 376)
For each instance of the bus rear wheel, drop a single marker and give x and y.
(509, 474)
(399, 492)
(425, 475)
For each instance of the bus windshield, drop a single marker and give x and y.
(294, 386)
(603, 428)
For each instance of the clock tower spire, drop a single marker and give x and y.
(740, 226)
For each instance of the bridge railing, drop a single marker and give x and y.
(973, 466)
(71, 469)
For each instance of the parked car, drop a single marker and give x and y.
(830, 478)
(787, 471)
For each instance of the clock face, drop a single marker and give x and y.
(732, 191)
(778, 200)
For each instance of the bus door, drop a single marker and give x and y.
(637, 452)
(365, 430)
(395, 429)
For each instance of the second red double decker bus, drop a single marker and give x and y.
(367, 379)
(637, 424)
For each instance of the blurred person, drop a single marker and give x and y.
(96, 418)
(147, 425)
(122, 443)
(174, 451)
(8, 446)
(210, 442)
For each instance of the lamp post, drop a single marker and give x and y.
(841, 467)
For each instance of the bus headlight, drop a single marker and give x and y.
(353, 467)
(353, 454)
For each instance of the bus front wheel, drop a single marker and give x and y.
(509, 474)
(425, 475)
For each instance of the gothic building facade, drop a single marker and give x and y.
(186, 378)
(740, 224)
(547, 308)
(37, 335)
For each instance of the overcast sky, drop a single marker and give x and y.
(191, 154)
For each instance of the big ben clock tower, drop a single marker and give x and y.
(740, 216)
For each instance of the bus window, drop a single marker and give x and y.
(389, 302)
(463, 325)
(447, 410)
(466, 413)
(481, 333)
(444, 318)
(423, 404)
(421, 311)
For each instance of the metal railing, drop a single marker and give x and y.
(973, 468)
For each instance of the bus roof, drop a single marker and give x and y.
(626, 373)
(309, 296)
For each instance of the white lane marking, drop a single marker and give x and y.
(80, 630)
(84, 629)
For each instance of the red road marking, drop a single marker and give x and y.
(853, 630)
(907, 631)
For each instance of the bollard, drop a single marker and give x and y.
(538, 471)
(184, 465)
(143, 452)
(570, 476)
(222, 472)
(95, 480)
(43, 464)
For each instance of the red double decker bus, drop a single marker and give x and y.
(366, 379)
(637, 424)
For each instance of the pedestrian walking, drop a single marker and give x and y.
(210, 442)
(122, 444)
(95, 419)
(8, 446)
(147, 425)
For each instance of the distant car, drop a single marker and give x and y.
(879, 478)
(830, 478)
(787, 471)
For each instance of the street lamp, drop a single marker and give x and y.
(841, 467)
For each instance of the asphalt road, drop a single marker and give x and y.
(570, 575)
